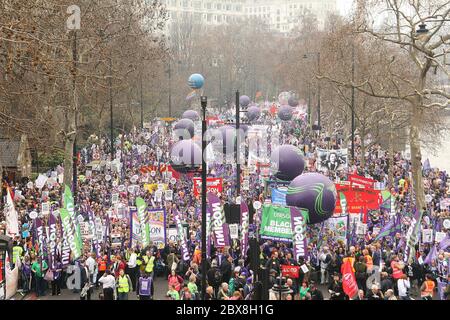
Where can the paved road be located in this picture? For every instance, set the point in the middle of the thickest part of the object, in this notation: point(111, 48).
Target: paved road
point(160, 293)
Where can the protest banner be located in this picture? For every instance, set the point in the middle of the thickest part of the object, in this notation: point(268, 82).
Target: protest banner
point(276, 223)
point(279, 197)
point(157, 226)
point(290, 271)
point(213, 185)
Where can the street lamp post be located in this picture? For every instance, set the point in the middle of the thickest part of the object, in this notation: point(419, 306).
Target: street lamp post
point(353, 103)
point(305, 56)
point(236, 147)
point(204, 102)
point(111, 108)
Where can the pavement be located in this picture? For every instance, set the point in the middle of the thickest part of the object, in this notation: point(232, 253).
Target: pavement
point(160, 285)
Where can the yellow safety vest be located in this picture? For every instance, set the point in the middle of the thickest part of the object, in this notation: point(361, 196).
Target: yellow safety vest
point(123, 284)
point(150, 264)
point(17, 253)
point(138, 260)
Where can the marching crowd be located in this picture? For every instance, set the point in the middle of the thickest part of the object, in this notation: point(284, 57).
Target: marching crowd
point(124, 271)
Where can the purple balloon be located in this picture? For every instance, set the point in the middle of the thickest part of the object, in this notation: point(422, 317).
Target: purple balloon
point(228, 134)
point(185, 156)
point(313, 192)
point(287, 162)
point(191, 114)
point(293, 102)
point(184, 128)
point(285, 113)
point(253, 113)
point(244, 101)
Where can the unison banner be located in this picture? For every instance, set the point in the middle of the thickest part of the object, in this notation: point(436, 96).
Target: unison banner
point(212, 185)
point(298, 223)
point(93, 229)
point(145, 228)
point(69, 206)
point(208, 232)
point(70, 233)
point(135, 228)
point(181, 236)
point(357, 198)
point(244, 225)
point(276, 223)
point(219, 229)
point(40, 236)
point(52, 242)
point(157, 224)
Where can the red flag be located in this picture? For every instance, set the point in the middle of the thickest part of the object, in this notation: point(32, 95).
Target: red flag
point(348, 279)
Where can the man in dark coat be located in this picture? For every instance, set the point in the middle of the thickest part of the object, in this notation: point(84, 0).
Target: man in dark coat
point(226, 268)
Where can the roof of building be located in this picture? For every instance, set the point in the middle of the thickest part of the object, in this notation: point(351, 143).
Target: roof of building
point(9, 152)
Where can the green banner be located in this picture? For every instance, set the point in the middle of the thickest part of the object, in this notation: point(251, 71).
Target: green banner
point(145, 227)
point(276, 223)
point(69, 208)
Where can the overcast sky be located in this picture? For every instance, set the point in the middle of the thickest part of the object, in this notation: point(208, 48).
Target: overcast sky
point(344, 6)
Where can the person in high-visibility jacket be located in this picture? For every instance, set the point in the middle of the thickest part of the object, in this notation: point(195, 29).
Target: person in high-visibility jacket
point(149, 261)
point(102, 266)
point(427, 288)
point(17, 252)
point(124, 285)
point(368, 260)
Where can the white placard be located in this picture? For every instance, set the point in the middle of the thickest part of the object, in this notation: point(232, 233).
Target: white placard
point(446, 224)
point(246, 185)
point(45, 208)
point(108, 177)
point(56, 213)
point(234, 231)
point(158, 196)
point(427, 235)
point(130, 189)
point(40, 181)
point(173, 181)
point(168, 195)
point(33, 215)
point(439, 236)
point(88, 173)
point(44, 195)
point(134, 179)
point(257, 205)
point(121, 188)
point(160, 186)
point(30, 185)
point(304, 268)
point(153, 173)
point(115, 198)
point(115, 184)
point(428, 198)
point(361, 228)
point(80, 218)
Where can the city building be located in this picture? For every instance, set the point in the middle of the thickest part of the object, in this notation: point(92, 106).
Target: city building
point(279, 15)
point(207, 12)
point(284, 15)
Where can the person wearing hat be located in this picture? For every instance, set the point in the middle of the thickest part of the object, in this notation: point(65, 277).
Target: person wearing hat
point(316, 294)
point(335, 288)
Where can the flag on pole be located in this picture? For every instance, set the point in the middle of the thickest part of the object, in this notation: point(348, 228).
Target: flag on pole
point(348, 279)
point(12, 220)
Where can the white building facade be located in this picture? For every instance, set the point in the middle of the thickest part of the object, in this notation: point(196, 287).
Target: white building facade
point(279, 15)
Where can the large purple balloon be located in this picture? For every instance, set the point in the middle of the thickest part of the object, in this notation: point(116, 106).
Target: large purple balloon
point(244, 101)
point(184, 129)
point(285, 113)
point(287, 162)
point(293, 102)
point(185, 156)
point(315, 193)
point(191, 114)
point(253, 113)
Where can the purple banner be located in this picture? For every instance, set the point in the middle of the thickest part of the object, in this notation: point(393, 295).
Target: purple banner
point(52, 242)
point(65, 247)
point(40, 234)
point(298, 224)
point(184, 248)
point(221, 238)
point(244, 232)
point(208, 232)
point(94, 229)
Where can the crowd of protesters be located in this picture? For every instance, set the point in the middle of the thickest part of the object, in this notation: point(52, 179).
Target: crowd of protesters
point(124, 271)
